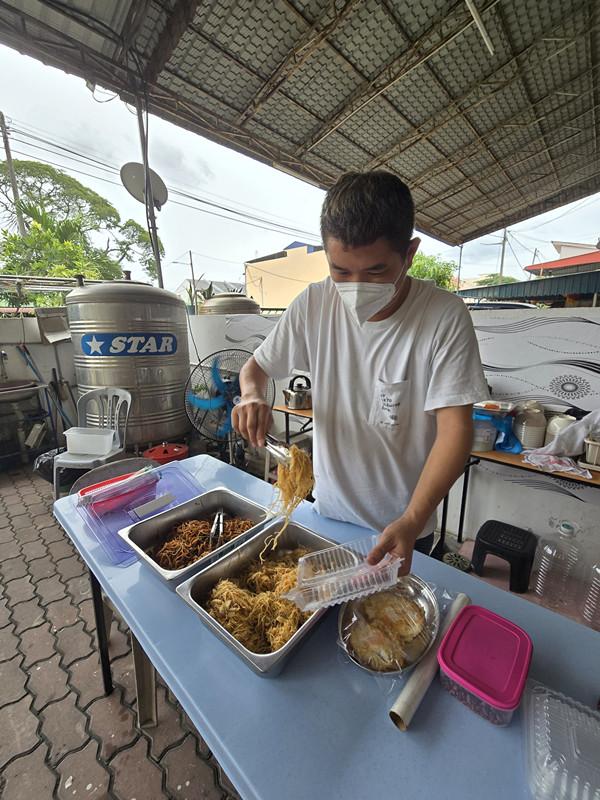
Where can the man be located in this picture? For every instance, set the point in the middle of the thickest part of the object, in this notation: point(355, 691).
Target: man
point(394, 365)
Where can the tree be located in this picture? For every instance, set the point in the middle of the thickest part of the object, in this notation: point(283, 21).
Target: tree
point(59, 194)
point(53, 199)
point(494, 279)
point(433, 268)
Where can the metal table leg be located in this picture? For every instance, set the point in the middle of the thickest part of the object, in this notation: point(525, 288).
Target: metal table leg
point(287, 429)
point(438, 551)
point(463, 501)
point(145, 686)
point(101, 632)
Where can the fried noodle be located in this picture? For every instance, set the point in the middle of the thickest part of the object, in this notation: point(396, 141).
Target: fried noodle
point(190, 540)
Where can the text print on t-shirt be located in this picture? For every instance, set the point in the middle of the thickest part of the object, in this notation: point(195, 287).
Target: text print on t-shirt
point(387, 406)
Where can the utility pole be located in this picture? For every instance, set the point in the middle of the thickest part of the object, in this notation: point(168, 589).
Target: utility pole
point(504, 240)
point(459, 266)
point(148, 196)
point(11, 175)
point(193, 283)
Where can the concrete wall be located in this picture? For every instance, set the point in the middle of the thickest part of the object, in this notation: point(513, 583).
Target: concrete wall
point(15, 331)
point(552, 356)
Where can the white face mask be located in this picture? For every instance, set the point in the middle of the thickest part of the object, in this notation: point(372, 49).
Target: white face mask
point(364, 300)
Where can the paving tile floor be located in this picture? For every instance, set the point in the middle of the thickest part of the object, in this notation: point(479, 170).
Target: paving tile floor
point(60, 737)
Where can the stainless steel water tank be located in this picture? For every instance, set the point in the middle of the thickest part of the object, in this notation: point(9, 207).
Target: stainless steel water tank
point(134, 336)
point(229, 303)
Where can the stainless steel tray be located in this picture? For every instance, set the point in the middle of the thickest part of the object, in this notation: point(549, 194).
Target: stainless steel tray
point(197, 589)
point(415, 589)
point(143, 536)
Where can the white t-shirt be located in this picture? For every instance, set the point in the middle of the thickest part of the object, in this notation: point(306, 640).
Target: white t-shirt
point(374, 391)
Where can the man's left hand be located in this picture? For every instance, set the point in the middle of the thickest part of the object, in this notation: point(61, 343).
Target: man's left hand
point(398, 539)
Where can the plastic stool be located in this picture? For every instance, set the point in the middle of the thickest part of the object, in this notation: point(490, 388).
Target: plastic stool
point(513, 544)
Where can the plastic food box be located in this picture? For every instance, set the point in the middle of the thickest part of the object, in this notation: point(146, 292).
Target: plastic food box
point(336, 574)
point(115, 504)
point(495, 407)
point(563, 746)
point(484, 660)
point(90, 441)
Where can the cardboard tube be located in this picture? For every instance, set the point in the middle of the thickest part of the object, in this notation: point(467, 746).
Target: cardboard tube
point(416, 686)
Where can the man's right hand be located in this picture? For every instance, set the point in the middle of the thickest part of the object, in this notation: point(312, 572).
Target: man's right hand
point(251, 418)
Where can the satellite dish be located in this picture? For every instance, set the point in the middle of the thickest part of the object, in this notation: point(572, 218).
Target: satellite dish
point(132, 178)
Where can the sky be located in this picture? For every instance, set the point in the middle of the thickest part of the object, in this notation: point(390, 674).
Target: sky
point(47, 103)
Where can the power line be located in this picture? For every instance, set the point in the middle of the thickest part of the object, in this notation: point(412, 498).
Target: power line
point(22, 129)
point(266, 227)
point(584, 202)
point(277, 275)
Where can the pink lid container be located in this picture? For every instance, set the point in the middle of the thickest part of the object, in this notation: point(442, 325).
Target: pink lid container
point(488, 656)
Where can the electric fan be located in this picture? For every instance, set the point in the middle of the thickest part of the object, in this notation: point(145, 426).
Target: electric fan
point(211, 392)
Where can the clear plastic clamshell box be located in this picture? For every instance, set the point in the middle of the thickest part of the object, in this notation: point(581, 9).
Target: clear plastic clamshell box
point(115, 504)
point(563, 746)
point(336, 574)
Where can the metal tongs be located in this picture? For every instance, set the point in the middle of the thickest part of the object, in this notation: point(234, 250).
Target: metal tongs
point(216, 530)
point(278, 449)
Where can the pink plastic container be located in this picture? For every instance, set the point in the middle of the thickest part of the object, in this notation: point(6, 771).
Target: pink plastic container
point(484, 660)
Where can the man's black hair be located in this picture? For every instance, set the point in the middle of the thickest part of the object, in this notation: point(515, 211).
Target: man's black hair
point(364, 206)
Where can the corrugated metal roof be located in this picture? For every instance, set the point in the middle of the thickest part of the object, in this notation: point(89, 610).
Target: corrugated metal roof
point(317, 87)
point(544, 289)
point(563, 263)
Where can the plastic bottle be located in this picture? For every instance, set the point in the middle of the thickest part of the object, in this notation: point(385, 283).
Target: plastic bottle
point(557, 561)
point(590, 610)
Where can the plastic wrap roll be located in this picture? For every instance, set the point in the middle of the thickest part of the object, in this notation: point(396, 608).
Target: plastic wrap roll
point(415, 688)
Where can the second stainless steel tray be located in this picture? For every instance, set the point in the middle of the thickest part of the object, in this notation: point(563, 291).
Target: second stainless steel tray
point(196, 590)
point(148, 534)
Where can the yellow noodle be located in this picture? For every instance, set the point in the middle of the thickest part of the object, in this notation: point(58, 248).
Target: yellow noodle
point(251, 608)
point(294, 483)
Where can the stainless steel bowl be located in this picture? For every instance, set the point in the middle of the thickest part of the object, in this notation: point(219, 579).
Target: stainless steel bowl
point(415, 589)
point(195, 592)
point(150, 533)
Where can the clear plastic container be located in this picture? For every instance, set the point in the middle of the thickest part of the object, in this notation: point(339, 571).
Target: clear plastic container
point(592, 451)
point(590, 609)
point(484, 660)
point(484, 436)
point(556, 564)
point(90, 441)
point(499, 408)
point(114, 505)
point(563, 746)
point(336, 574)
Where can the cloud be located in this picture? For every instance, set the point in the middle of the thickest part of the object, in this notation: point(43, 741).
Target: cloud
point(178, 163)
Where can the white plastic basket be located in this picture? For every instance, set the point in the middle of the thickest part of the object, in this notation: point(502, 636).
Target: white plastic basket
point(90, 441)
point(592, 452)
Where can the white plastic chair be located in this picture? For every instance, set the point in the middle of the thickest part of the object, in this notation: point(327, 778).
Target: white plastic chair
point(111, 411)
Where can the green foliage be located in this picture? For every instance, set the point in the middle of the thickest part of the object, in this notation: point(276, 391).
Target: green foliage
point(433, 268)
point(59, 194)
point(67, 222)
point(494, 279)
point(206, 294)
point(134, 245)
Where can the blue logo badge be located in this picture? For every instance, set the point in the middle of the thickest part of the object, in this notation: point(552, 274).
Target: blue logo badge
point(129, 344)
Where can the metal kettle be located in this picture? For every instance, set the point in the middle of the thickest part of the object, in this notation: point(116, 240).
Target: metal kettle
point(298, 398)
